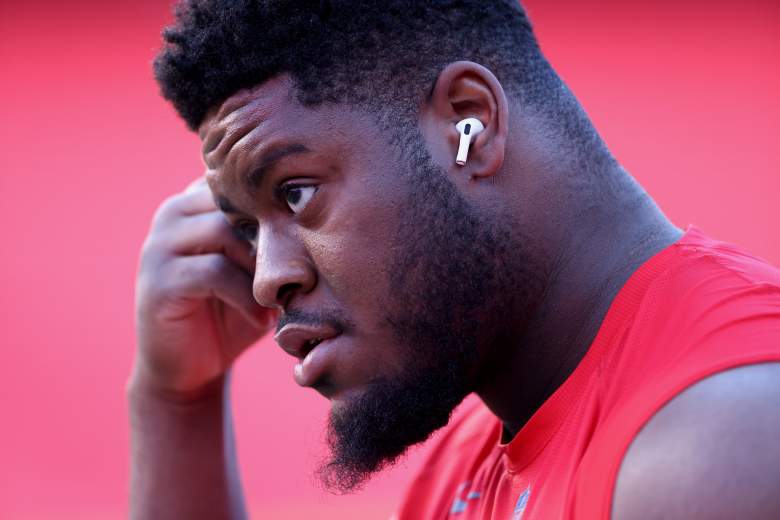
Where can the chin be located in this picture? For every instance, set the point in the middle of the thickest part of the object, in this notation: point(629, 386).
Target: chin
point(341, 398)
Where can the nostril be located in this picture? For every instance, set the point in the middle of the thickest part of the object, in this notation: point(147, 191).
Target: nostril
point(286, 292)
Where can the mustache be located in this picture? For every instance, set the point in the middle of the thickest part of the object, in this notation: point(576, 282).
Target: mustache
point(333, 318)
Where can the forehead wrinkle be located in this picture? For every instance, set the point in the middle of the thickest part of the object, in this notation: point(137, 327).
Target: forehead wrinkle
point(230, 138)
point(210, 141)
point(251, 95)
point(246, 98)
point(235, 162)
point(235, 102)
point(233, 127)
point(263, 148)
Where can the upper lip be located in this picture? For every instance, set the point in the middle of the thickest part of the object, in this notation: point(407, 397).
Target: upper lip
point(298, 339)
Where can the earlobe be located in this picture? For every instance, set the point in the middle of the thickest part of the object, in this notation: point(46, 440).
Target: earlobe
point(466, 91)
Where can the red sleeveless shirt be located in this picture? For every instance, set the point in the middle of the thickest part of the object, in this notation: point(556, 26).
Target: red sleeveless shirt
point(697, 307)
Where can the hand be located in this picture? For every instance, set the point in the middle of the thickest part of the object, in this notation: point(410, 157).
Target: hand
point(195, 312)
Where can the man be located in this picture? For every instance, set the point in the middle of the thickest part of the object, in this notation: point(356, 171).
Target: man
point(627, 369)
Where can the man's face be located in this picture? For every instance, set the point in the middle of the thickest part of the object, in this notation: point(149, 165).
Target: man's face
point(375, 253)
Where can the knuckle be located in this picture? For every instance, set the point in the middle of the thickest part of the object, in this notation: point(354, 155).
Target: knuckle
point(193, 270)
point(180, 273)
point(154, 252)
point(157, 277)
point(150, 246)
point(215, 267)
point(181, 276)
point(196, 185)
point(168, 207)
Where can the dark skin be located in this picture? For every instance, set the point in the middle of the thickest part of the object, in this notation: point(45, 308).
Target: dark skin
point(300, 255)
point(317, 219)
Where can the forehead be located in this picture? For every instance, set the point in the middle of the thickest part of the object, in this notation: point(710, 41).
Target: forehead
point(246, 118)
point(263, 123)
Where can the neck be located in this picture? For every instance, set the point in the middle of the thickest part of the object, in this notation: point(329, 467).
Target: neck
point(590, 266)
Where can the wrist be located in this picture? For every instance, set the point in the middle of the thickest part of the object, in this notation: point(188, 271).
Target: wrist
point(142, 386)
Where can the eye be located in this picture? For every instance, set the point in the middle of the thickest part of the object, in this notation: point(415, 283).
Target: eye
point(246, 231)
point(297, 197)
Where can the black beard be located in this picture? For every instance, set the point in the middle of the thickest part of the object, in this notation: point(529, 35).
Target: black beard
point(452, 289)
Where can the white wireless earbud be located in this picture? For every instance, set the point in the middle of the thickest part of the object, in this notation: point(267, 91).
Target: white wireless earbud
point(467, 128)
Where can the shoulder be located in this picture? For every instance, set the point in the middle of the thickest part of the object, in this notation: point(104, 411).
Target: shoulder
point(689, 414)
point(713, 303)
point(710, 452)
point(710, 271)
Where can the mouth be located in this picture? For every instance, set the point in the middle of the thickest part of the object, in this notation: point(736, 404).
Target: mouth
point(311, 371)
point(309, 346)
point(313, 345)
point(298, 339)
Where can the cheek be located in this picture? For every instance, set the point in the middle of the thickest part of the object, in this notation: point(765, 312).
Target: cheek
point(354, 252)
point(353, 265)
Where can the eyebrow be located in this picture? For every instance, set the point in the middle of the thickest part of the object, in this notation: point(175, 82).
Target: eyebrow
point(224, 205)
point(255, 176)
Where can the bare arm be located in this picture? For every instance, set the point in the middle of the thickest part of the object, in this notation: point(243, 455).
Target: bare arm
point(712, 452)
point(195, 314)
point(183, 456)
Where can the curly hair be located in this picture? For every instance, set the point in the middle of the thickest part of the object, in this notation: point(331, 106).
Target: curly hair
point(384, 55)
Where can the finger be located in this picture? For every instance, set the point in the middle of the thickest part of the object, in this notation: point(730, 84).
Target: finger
point(209, 233)
point(215, 276)
point(198, 234)
point(197, 183)
point(197, 200)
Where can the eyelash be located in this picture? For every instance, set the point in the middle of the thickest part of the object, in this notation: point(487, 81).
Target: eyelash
point(242, 228)
point(281, 192)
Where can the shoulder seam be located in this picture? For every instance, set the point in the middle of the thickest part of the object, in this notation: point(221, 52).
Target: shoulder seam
point(707, 254)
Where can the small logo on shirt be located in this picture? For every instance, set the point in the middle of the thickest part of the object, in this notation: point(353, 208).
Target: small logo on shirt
point(521, 504)
point(462, 498)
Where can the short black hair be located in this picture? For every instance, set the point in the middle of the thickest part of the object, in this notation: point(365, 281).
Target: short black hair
point(386, 55)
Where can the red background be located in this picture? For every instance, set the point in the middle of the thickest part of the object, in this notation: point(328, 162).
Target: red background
point(685, 93)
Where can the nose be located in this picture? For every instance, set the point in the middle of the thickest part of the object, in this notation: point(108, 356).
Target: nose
point(282, 270)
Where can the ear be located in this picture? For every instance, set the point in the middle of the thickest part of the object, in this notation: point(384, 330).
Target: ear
point(467, 89)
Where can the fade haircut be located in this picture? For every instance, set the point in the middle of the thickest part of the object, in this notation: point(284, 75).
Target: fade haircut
point(382, 56)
